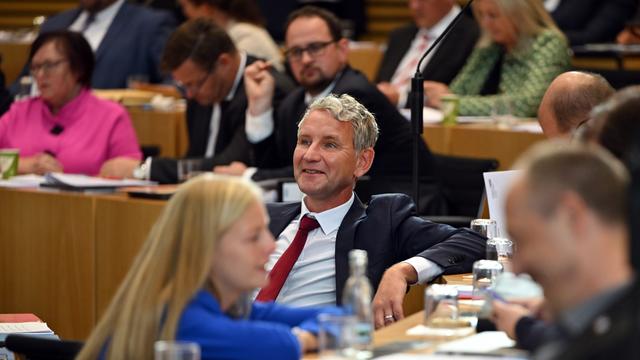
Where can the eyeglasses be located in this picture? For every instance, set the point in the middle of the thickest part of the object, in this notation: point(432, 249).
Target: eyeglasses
point(47, 66)
point(194, 87)
point(313, 49)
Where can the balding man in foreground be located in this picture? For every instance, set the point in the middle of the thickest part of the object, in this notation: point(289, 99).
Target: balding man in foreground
point(568, 101)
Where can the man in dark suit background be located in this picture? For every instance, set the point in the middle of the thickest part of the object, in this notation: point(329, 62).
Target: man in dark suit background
point(567, 214)
point(126, 39)
point(207, 66)
point(591, 21)
point(317, 54)
point(407, 44)
point(335, 147)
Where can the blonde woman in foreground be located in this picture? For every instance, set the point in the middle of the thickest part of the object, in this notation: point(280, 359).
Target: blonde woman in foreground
point(192, 278)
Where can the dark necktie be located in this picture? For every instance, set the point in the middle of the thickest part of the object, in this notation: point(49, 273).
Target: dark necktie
point(283, 266)
point(88, 21)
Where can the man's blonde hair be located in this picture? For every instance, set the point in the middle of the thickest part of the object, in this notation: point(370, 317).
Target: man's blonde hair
point(346, 108)
point(174, 263)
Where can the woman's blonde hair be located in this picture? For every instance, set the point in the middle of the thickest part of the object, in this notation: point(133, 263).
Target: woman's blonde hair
point(173, 264)
point(528, 16)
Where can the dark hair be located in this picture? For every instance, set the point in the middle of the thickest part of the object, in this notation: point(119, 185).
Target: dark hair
point(200, 40)
point(572, 107)
point(616, 122)
point(332, 21)
point(240, 10)
point(74, 47)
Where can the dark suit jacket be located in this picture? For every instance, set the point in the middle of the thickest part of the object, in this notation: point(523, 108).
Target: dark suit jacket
point(390, 232)
point(593, 21)
point(231, 144)
point(393, 149)
point(447, 60)
point(133, 44)
point(613, 334)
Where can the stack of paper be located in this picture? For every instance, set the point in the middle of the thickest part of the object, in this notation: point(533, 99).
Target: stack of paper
point(26, 324)
point(84, 182)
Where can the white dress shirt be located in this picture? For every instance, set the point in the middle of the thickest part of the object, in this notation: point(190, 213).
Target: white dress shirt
point(98, 28)
point(214, 125)
point(416, 51)
point(551, 5)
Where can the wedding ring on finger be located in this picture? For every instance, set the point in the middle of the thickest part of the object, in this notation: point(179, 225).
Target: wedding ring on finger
point(389, 318)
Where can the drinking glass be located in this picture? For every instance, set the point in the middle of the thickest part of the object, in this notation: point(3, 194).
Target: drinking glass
point(501, 112)
point(188, 168)
point(176, 350)
point(486, 227)
point(336, 336)
point(485, 273)
point(500, 249)
point(441, 306)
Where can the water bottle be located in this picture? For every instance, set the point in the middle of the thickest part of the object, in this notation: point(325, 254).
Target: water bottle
point(357, 302)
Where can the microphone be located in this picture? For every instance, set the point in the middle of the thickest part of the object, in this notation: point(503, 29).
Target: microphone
point(56, 130)
point(416, 96)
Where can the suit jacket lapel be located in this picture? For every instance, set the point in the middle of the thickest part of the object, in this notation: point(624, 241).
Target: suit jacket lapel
point(281, 215)
point(345, 242)
point(118, 25)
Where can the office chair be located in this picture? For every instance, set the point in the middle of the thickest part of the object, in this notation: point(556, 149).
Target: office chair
point(462, 186)
point(41, 348)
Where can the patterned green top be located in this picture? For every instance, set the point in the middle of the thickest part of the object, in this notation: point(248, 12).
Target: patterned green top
point(526, 73)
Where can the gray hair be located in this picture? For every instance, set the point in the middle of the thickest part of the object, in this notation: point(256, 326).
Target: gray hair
point(346, 108)
point(554, 167)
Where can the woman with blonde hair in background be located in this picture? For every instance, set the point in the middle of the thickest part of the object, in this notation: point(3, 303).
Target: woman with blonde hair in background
point(519, 53)
point(192, 279)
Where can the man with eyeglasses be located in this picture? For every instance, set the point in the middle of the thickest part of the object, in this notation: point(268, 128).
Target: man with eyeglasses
point(317, 55)
point(208, 68)
point(568, 102)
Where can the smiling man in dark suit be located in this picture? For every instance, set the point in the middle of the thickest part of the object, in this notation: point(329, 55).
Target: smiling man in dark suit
point(407, 44)
point(335, 147)
point(207, 66)
point(126, 39)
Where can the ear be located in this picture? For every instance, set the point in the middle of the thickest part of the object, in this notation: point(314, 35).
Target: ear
point(223, 60)
point(576, 214)
point(364, 161)
point(342, 46)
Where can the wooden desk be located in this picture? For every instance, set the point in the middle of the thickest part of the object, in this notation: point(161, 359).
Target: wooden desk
point(47, 258)
point(14, 56)
point(480, 141)
point(63, 254)
point(166, 129)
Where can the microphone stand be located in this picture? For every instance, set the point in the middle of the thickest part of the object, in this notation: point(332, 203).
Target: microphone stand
point(416, 98)
point(633, 162)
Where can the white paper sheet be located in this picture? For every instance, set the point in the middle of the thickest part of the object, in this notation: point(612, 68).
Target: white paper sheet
point(497, 184)
point(25, 327)
point(84, 181)
point(484, 342)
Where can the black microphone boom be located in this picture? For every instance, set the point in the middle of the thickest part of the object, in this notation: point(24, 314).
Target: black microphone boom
point(416, 98)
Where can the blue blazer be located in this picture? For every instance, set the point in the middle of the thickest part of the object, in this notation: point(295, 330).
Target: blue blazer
point(133, 44)
point(389, 230)
point(266, 334)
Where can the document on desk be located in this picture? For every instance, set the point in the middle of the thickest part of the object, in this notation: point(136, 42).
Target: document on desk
point(497, 184)
point(22, 181)
point(83, 182)
point(25, 327)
